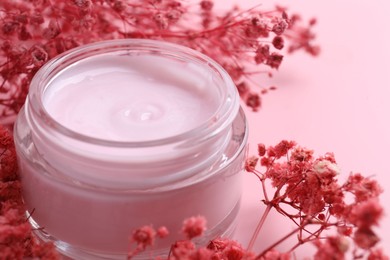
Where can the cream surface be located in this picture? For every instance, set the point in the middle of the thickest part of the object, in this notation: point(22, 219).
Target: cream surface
point(131, 98)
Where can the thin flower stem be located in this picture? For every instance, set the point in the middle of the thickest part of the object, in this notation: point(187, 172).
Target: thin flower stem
point(259, 226)
point(264, 189)
point(307, 239)
point(278, 242)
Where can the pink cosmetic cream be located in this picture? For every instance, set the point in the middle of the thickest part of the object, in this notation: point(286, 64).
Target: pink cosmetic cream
point(120, 134)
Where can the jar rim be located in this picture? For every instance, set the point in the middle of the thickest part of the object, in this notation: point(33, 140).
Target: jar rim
point(223, 116)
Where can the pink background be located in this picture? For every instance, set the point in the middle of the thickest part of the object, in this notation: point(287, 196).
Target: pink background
point(338, 102)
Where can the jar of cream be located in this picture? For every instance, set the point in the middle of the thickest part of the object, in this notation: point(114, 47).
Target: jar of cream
point(120, 134)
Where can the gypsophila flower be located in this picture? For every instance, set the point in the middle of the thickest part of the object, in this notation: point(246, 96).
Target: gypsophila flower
point(182, 250)
point(366, 214)
point(194, 226)
point(144, 237)
point(377, 254)
point(362, 188)
point(251, 163)
point(365, 238)
point(331, 248)
point(162, 232)
point(324, 166)
point(278, 42)
point(33, 32)
point(307, 191)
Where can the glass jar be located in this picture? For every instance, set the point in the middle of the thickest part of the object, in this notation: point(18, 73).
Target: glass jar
point(93, 171)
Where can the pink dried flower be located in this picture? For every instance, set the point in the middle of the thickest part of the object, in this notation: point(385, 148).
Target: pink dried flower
point(281, 148)
point(33, 33)
point(223, 248)
point(366, 214)
point(10, 190)
point(46, 251)
point(262, 53)
point(312, 21)
point(12, 239)
point(377, 254)
point(300, 154)
point(181, 250)
point(257, 27)
point(206, 5)
point(83, 4)
point(8, 165)
point(144, 236)
point(363, 188)
point(243, 89)
point(261, 150)
point(307, 192)
point(278, 42)
point(274, 60)
point(162, 232)
point(202, 254)
point(251, 163)
point(253, 101)
point(331, 248)
point(194, 226)
point(365, 238)
point(280, 26)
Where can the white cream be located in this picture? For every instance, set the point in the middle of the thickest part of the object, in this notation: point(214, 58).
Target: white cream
point(131, 98)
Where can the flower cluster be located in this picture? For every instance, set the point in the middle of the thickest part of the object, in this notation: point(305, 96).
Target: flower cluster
point(144, 237)
point(307, 191)
point(16, 240)
point(34, 31)
point(219, 248)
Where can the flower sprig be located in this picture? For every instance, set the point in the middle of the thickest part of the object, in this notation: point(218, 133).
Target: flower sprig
point(34, 31)
point(307, 191)
point(337, 218)
point(193, 227)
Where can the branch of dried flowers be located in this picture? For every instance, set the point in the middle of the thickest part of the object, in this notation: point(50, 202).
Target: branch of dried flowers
point(310, 187)
point(34, 31)
point(318, 203)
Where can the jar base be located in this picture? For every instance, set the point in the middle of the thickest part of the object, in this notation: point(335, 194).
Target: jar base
point(224, 229)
